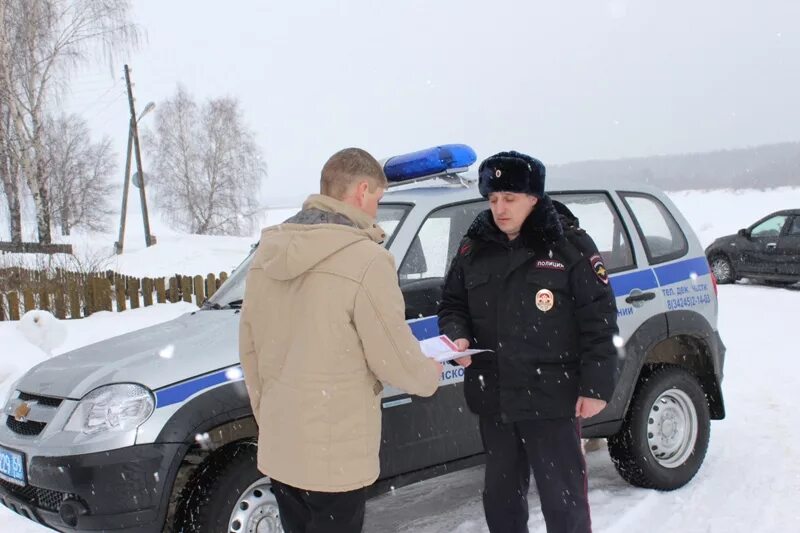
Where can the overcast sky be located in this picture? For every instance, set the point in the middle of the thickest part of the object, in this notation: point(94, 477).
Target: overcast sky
point(562, 80)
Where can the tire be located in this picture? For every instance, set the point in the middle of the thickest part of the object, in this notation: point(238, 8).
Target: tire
point(664, 437)
point(723, 269)
point(227, 493)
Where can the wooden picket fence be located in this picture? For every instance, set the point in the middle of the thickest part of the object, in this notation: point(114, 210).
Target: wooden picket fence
point(75, 295)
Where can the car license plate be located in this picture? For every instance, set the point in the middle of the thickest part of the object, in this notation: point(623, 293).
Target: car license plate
point(12, 466)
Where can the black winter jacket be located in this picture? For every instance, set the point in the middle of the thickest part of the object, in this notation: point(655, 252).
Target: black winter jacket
point(542, 302)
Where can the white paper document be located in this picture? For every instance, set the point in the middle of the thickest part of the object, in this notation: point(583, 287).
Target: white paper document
point(443, 349)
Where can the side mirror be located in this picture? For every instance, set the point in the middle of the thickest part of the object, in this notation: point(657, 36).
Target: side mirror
point(744, 233)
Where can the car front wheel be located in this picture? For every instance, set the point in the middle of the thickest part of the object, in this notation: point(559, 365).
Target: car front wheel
point(227, 493)
point(723, 269)
point(664, 438)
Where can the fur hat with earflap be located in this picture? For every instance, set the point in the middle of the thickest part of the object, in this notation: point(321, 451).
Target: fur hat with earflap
point(511, 172)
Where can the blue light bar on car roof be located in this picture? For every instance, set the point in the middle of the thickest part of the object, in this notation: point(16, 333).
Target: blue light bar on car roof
point(440, 160)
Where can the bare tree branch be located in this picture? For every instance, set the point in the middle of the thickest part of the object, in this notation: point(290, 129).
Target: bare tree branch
point(42, 41)
point(78, 174)
point(208, 169)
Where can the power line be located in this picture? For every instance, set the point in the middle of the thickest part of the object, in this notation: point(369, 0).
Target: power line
point(117, 98)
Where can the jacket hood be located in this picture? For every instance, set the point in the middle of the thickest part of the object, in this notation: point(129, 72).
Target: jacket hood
point(324, 227)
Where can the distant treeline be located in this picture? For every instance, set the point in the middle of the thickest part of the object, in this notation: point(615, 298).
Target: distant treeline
point(760, 167)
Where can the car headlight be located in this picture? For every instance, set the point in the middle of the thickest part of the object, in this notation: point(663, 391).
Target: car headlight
point(120, 407)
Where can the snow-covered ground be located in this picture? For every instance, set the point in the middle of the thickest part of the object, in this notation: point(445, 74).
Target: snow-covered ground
point(174, 253)
point(750, 481)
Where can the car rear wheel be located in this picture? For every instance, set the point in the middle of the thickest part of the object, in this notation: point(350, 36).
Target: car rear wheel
point(228, 493)
point(722, 269)
point(664, 438)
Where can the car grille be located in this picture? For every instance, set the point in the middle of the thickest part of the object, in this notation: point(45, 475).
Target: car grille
point(47, 499)
point(28, 428)
point(31, 428)
point(41, 400)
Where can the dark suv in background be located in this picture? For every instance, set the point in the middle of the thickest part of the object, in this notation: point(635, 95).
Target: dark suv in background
point(767, 251)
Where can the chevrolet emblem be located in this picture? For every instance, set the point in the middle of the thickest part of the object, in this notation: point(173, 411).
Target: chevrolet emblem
point(21, 412)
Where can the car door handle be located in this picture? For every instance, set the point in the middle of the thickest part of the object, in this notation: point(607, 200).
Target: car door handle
point(771, 245)
point(641, 297)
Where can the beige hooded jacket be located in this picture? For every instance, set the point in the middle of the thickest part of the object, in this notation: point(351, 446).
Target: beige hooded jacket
point(323, 323)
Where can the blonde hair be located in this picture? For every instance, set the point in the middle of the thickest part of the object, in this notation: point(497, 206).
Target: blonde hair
point(346, 168)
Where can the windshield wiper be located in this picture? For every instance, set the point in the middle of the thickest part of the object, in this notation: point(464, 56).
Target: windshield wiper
point(233, 304)
point(208, 305)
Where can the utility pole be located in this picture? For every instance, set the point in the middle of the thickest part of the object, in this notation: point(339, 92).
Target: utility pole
point(148, 238)
point(120, 242)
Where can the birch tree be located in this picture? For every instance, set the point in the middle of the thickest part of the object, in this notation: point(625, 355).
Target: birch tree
point(41, 42)
point(78, 175)
point(9, 162)
point(10, 175)
point(208, 168)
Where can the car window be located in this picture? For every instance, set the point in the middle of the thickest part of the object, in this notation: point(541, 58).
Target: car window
point(661, 235)
point(795, 229)
point(434, 246)
point(769, 228)
point(389, 218)
point(597, 215)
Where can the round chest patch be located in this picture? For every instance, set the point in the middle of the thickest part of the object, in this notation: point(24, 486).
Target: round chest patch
point(544, 300)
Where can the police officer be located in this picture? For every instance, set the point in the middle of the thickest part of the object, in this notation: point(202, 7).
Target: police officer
point(529, 284)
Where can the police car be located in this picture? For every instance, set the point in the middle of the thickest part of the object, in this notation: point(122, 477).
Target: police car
point(152, 430)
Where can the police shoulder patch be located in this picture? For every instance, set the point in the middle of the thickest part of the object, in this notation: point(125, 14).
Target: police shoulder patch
point(599, 268)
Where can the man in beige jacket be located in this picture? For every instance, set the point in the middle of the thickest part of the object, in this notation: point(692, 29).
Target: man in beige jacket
point(322, 326)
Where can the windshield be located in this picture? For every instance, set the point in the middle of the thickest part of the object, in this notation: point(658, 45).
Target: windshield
point(231, 293)
point(233, 288)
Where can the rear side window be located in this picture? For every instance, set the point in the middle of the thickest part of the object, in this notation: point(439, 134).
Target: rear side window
point(795, 229)
point(661, 235)
point(597, 215)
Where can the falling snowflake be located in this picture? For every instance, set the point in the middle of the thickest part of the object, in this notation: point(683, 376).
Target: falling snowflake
point(167, 351)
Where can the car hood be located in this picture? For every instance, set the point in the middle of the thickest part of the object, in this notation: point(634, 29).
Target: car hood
point(188, 346)
point(724, 240)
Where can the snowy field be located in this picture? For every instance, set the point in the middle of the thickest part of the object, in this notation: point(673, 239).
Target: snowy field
point(750, 481)
point(174, 253)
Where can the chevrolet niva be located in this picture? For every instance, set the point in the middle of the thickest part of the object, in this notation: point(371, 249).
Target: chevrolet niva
point(114, 437)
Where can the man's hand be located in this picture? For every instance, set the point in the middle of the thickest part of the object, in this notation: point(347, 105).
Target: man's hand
point(588, 407)
point(461, 345)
